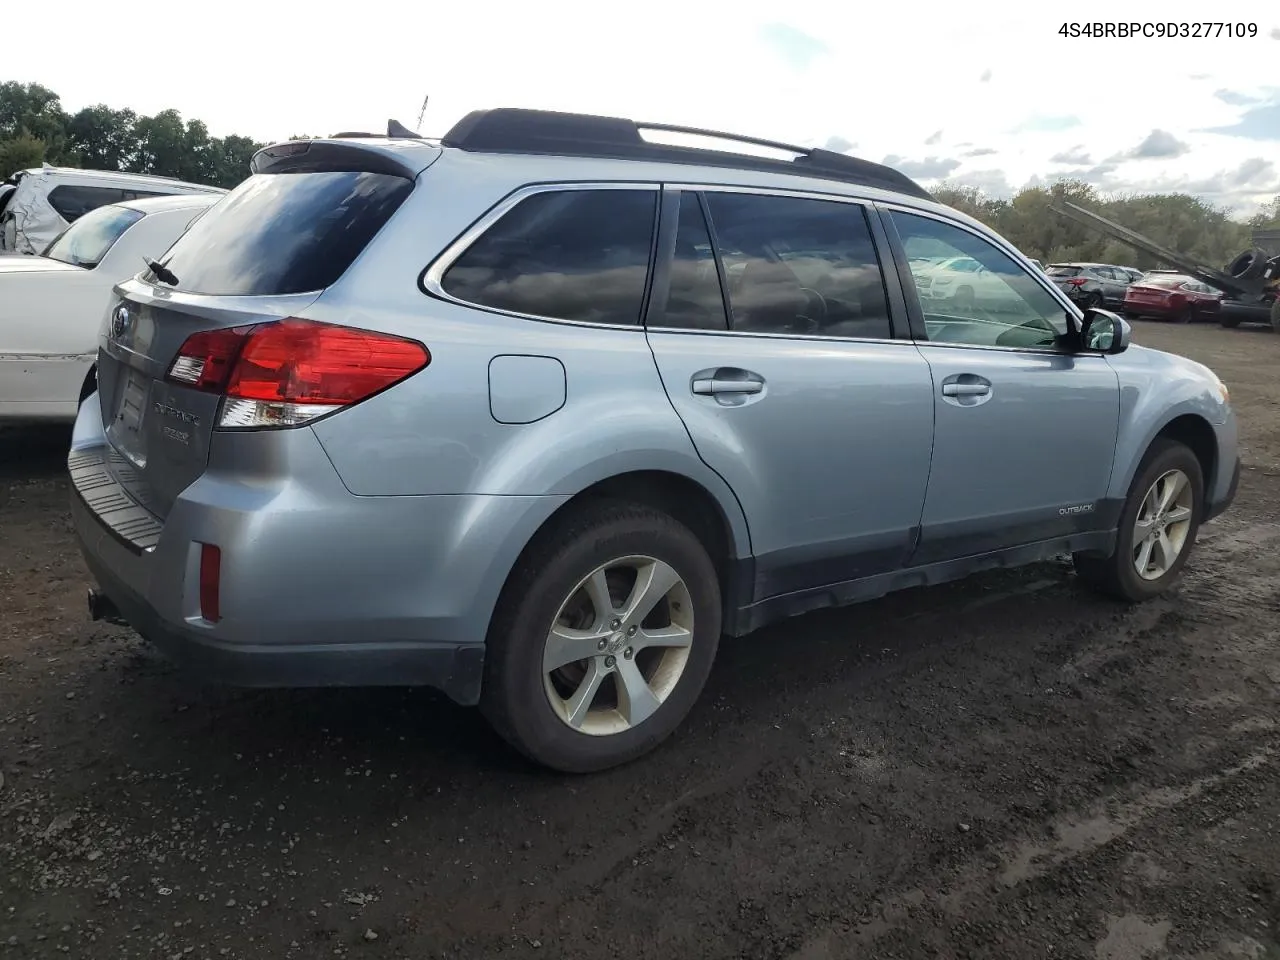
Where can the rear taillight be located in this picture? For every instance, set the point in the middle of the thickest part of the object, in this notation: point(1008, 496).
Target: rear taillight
point(1077, 281)
point(289, 372)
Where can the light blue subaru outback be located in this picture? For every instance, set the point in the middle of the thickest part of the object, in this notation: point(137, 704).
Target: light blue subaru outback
point(535, 413)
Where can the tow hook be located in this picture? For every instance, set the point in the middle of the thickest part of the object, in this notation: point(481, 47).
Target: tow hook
point(102, 607)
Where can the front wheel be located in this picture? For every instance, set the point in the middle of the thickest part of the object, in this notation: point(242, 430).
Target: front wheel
point(1158, 527)
point(1275, 315)
point(603, 638)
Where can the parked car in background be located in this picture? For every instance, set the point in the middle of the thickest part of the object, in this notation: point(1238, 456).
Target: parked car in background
point(965, 283)
point(1172, 296)
point(36, 205)
point(51, 306)
point(536, 412)
point(1091, 284)
point(1037, 264)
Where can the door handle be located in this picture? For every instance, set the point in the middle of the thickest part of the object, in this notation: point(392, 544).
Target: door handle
point(714, 386)
point(965, 389)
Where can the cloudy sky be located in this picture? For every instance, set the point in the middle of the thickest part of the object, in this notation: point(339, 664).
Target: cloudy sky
point(988, 95)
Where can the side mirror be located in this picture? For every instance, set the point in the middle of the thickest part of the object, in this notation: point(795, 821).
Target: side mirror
point(1105, 331)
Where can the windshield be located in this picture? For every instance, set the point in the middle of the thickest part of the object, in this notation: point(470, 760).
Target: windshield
point(86, 242)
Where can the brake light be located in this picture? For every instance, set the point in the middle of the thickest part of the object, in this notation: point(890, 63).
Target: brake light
point(289, 372)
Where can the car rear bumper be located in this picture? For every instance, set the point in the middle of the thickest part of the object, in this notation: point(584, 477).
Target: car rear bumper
point(318, 587)
point(455, 669)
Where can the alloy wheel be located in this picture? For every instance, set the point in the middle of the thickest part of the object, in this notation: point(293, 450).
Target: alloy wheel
point(1163, 525)
point(618, 645)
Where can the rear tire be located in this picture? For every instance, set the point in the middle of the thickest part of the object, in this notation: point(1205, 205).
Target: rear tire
point(1117, 574)
point(1275, 315)
point(1186, 315)
point(1229, 322)
point(578, 717)
point(1093, 301)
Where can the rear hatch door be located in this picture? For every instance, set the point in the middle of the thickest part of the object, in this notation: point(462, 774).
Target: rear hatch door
point(265, 252)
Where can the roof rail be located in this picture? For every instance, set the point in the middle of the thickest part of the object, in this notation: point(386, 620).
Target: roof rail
point(515, 130)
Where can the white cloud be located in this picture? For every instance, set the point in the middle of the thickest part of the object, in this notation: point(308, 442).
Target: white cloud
point(809, 72)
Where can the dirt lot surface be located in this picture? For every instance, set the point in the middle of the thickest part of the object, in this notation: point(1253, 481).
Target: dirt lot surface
point(1006, 767)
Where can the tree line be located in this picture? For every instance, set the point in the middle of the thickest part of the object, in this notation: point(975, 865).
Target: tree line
point(1186, 224)
point(34, 129)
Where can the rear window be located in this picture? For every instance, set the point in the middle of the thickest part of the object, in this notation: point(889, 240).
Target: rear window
point(72, 202)
point(1164, 281)
point(87, 241)
point(285, 233)
point(1065, 271)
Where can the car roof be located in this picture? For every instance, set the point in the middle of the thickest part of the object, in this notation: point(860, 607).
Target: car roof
point(119, 176)
point(172, 201)
point(512, 132)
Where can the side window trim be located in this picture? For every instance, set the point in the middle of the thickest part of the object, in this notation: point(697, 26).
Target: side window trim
point(722, 275)
point(916, 312)
point(900, 325)
point(664, 258)
point(664, 254)
point(899, 316)
point(430, 280)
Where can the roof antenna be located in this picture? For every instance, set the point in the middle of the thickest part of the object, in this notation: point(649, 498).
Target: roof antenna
point(397, 129)
point(423, 112)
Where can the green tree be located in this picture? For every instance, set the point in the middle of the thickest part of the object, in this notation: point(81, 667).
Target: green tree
point(35, 111)
point(104, 139)
point(20, 153)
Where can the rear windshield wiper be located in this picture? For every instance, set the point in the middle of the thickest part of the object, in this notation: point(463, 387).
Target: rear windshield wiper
point(163, 273)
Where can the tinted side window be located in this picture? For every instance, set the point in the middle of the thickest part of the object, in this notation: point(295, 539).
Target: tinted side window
point(1001, 305)
point(799, 266)
point(73, 202)
point(563, 254)
point(693, 300)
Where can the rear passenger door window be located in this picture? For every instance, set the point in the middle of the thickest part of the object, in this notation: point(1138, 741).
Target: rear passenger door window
point(799, 266)
point(580, 255)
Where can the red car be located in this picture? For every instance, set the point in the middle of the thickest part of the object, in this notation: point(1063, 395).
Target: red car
point(1171, 296)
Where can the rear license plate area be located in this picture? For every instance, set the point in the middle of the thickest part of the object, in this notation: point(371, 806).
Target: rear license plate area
point(125, 431)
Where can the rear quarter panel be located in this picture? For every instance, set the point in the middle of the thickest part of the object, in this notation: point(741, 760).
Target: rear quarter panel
point(50, 312)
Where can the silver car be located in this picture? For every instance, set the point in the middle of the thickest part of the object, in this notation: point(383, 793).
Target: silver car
point(536, 413)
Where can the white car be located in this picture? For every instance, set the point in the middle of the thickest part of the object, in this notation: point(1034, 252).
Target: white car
point(51, 306)
point(967, 285)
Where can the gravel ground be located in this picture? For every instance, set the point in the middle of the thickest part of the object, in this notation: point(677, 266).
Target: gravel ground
point(1006, 767)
